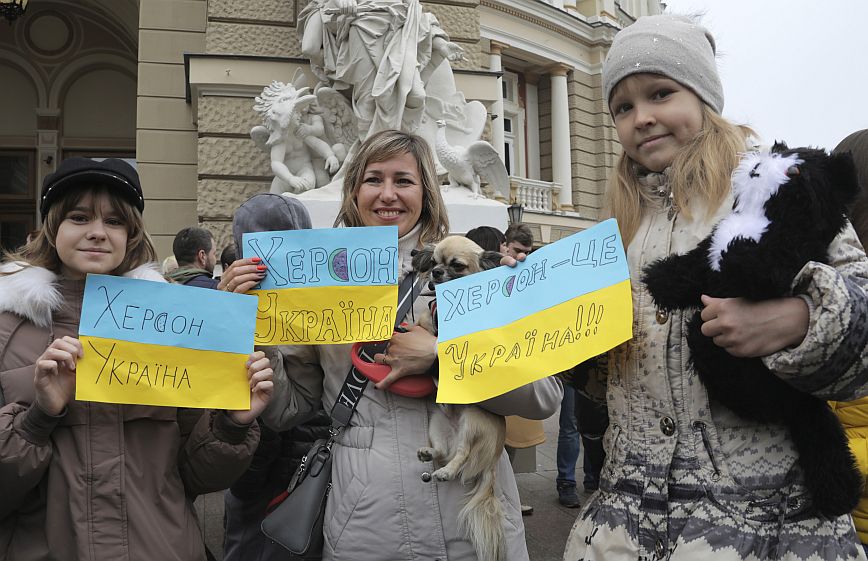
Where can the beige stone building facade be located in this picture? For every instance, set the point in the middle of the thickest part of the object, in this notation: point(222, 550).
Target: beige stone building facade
point(170, 85)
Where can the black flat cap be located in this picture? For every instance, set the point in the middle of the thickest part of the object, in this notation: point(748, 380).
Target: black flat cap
point(115, 174)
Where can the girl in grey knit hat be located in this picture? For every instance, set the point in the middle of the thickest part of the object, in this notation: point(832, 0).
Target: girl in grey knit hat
point(686, 478)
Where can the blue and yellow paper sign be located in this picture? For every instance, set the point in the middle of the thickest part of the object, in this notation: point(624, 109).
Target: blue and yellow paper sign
point(507, 327)
point(153, 343)
point(326, 286)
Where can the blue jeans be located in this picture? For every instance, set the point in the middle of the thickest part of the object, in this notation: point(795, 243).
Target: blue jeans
point(568, 438)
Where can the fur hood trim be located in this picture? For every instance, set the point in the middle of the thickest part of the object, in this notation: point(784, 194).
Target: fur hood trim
point(30, 292)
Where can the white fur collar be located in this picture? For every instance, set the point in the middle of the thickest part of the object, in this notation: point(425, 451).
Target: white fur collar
point(30, 292)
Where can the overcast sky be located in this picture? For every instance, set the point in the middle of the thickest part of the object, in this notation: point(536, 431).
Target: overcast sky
point(794, 70)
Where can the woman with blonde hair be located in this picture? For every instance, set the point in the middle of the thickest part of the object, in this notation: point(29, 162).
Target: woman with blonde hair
point(384, 504)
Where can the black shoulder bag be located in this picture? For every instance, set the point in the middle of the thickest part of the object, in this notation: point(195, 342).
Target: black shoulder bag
point(296, 524)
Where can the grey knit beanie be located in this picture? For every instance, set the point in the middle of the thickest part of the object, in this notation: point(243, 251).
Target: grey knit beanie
point(268, 212)
point(671, 45)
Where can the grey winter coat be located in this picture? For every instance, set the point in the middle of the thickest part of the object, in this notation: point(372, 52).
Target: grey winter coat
point(380, 508)
point(687, 479)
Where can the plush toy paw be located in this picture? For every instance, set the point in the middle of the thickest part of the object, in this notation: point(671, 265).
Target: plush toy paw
point(670, 286)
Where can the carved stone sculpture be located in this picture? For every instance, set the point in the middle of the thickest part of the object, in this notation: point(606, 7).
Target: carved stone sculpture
point(306, 141)
point(379, 64)
point(465, 165)
point(391, 59)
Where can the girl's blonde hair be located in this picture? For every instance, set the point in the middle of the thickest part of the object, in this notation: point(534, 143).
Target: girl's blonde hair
point(699, 173)
point(42, 250)
point(384, 146)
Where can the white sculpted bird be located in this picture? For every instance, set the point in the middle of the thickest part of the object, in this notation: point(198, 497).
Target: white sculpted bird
point(465, 165)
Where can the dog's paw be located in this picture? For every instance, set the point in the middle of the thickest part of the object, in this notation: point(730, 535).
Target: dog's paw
point(425, 454)
point(443, 474)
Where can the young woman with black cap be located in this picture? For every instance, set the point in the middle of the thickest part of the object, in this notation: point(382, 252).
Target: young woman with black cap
point(85, 480)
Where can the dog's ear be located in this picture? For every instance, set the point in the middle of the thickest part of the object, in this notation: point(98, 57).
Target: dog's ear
point(423, 259)
point(489, 260)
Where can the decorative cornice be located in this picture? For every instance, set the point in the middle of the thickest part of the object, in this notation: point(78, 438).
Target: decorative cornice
point(496, 47)
point(235, 135)
point(460, 3)
point(243, 21)
point(559, 69)
point(573, 26)
point(254, 178)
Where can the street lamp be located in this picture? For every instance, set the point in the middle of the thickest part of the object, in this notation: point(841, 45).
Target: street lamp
point(11, 9)
point(515, 212)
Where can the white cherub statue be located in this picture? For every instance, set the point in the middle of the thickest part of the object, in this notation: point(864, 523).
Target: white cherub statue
point(296, 136)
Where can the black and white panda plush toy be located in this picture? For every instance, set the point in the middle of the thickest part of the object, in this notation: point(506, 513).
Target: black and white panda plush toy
point(789, 205)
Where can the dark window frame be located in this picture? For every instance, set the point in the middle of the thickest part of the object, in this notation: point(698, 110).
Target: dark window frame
point(30, 195)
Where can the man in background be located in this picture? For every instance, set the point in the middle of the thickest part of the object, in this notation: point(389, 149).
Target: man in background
point(196, 254)
point(519, 239)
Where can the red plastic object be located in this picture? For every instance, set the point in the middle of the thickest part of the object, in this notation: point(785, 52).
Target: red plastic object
point(408, 386)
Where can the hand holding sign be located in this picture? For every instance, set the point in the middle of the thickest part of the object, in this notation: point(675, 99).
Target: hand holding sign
point(323, 287)
point(243, 275)
point(506, 327)
point(54, 379)
point(154, 343)
point(259, 375)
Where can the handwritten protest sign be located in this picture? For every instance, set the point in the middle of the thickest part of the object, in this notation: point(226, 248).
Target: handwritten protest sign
point(506, 327)
point(152, 343)
point(326, 286)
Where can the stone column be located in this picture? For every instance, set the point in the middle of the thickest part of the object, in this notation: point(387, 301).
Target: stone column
point(495, 65)
point(47, 145)
point(561, 158)
point(531, 81)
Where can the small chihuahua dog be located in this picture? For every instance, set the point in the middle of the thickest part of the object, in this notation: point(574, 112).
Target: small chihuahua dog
point(466, 438)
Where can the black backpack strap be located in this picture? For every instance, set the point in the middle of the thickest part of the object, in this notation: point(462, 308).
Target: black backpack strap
point(410, 289)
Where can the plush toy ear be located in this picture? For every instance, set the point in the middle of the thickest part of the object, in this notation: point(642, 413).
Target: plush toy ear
point(423, 259)
point(779, 147)
point(489, 260)
point(843, 176)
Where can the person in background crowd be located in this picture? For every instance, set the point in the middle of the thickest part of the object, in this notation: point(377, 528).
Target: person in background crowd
point(520, 433)
point(279, 453)
point(227, 257)
point(519, 239)
point(588, 420)
point(592, 418)
point(569, 445)
point(86, 480)
point(685, 477)
point(854, 414)
point(170, 264)
point(196, 253)
point(488, 238)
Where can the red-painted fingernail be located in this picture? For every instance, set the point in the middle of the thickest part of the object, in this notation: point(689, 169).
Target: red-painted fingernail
point(255, 259)
point(261, 267)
